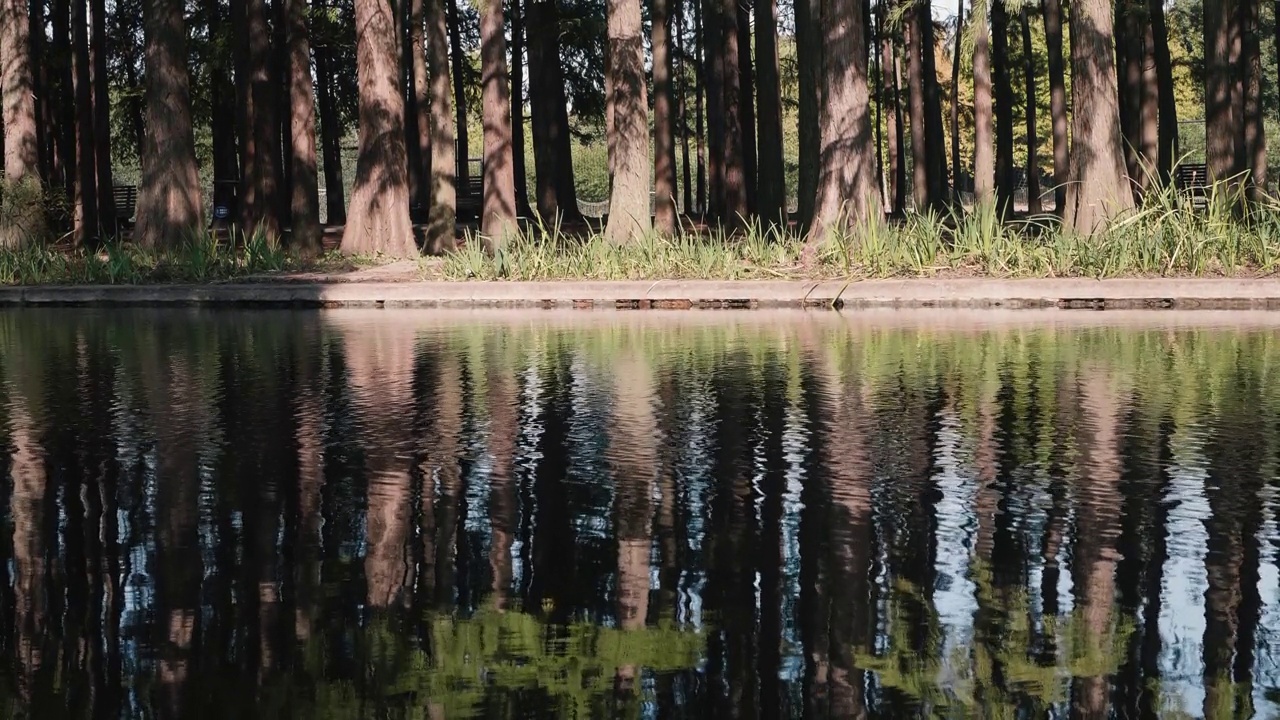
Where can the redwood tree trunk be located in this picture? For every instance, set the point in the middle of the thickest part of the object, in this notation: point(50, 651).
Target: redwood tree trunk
point(517, 109)
point(21, 151)
point(421, 115)
point(629, 199)
point(1129, 56)
point(847, 194)
point(699, 75)
point(65, 95)
point(86, 227)
point(714, 76)
point(1167, 136)
point(1222, 119)
point(682, 109)
point(102, 120)
point(1255, 137)
point(304, 201)
point(169, 204)
point(1149, 109)
point(1029, 73)
point(259, 193)
point(955, 102)
point(459, 92)
point(498, 214)
point(443, 213)
point(1005, 183)
point(897, 182)
point(747, 108)
point(772, 189)
point(983, 150)
point(379, 217)
point(664, 149)
point(916, 109)
point(557, 195)
point(1097, 192)
point(1058, 100)
point(222, 93)
point(331, 140)
point(809, 61)
point(735, 178)
point(933, 111)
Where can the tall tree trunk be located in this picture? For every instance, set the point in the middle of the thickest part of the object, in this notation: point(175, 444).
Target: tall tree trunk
point(86, 227)
point(1029, 73)
point(1097, 191)
point(897, 181)
point(773, 179)
point(955, 102)
point(557, 196)
point(498, 215)
point(1255, 136)
point(933, 110)
point(1058, 101)
point(682, 109)
point(222, 126)
point(37, 62)
point(714, 82)
point(1221, 56)
point(1167, 139)
point(735, 178)
point(379, 218)
point(459, 92)
point(66, 127)
point(284, 139)
point(442, 216)
point(809, 61)
point(1005, 182)
point(847, 195)
point(21, 151)
point(102, 120)
point(517, 109)
point(304, 201)
point(1149, 108)
point(699, 76)
point(421, 110)
point(746, 91)
point(169, 204)
point(920, 172)
point(330, 139)
point(259, 191)
point(412, 113)
point(983, 150)
point(629, 198)
point(664, 149)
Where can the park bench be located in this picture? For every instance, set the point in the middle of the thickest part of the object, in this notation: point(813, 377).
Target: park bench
point(471, 192)
point(1192, 180)
point(125, 198)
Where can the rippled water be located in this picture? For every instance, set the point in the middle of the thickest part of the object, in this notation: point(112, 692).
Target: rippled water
point(396, 514)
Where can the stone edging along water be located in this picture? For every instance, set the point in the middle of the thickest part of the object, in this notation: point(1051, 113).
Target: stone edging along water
point(1070, 293)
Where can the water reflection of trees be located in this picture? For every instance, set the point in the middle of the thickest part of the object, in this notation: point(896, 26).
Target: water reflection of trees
point(349, 516)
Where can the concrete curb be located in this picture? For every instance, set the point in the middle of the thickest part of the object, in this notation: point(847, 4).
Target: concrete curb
point(1072, 293)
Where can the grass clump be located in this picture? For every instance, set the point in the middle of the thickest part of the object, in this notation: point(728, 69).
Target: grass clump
point(1166, 236)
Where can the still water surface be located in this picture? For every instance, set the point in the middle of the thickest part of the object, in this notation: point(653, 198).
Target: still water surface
point(424, 515)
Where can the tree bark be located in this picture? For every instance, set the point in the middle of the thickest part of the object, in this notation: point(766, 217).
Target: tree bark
point(379, 218)
point(1097, 192)
point(459, 93)
point(24, 223)
point(920, 172)
point(699, 75)
point(222, 94)
point(1029, 73)
point(86, 222)
point(37, 63)
point(102, 120)
point(442, 216)
point(1005, 182)
point(260, 149)
point(664, 149)
point(330, 138)
point(421, 115)
point(1058, 101)
point(1149, 108)
point(682, 109)
point(889, 92)
point(735, 178)
point(933, 111)
point(847, 195)
point(557, 196)
point(955, 102)
point(714, 76)
point(983, 150)
point(1255, 136)
point(498, 215)
point(772, 189)
point(66, 127)
point(1167, 138)
point(746, 91)
point(517, 109)
point(283, 136)
point(1222, 117)
point(304, 202)
point(629, 198)
point(169, 205)
point(809, 61)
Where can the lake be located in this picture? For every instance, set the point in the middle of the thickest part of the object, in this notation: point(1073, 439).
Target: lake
point(430, 514)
